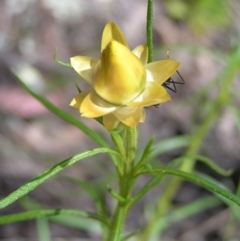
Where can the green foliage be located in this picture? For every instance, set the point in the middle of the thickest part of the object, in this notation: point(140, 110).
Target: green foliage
point(43, 229)
point(12, 218)
point(131, 163)
point(38, 180)
point(200, 15)
point(195, 179)
point(181, 213)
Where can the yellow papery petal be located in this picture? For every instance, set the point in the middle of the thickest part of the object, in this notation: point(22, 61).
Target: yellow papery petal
point(112, 32)
point(153, 94)
point(93, 106)
point(84, 66)
point(78, 99)
point(120, 76)
point(162, 70)
point(130, 116)
point(110, 121)
point(142, 53)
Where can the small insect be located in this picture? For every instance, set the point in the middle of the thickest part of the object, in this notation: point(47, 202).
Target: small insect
point(171, 84)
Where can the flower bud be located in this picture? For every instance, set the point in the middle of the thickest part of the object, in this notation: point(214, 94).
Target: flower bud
point(119, 76)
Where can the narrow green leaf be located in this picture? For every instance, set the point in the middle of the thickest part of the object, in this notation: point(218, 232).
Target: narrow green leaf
point(184, 212)
point(43, 230)
point(131, 235)
point(92, 190)
point(235, 209)
point(72, 221)
point(192, 208)
point(146, 153)
point(60, 62)
point(149, 168)
point(89, 225)
point(236, 114)
point(47, 213)
point(238, 189)
point(207, 161)
point(153, 182)
point(32, 184)
point(29, 204)
point(118, 142)
point(199, 181)
point(64, 115)
point(97, 194)
point(115, 195)
point(169, 145)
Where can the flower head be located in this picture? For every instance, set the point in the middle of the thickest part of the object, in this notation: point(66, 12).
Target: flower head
point(121, 82)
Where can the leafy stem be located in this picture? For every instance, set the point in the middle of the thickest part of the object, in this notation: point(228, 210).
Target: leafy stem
point(126, 184)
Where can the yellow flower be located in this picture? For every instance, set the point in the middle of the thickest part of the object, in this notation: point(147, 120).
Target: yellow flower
point(121, 82)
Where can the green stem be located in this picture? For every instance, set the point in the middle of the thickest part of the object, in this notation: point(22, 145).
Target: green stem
point(225, 81)
point(130, 148)
point(150, 30)
point(126, 184)
point(116, 229)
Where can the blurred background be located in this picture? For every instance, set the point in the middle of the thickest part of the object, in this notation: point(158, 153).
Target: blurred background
point(203, 35)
